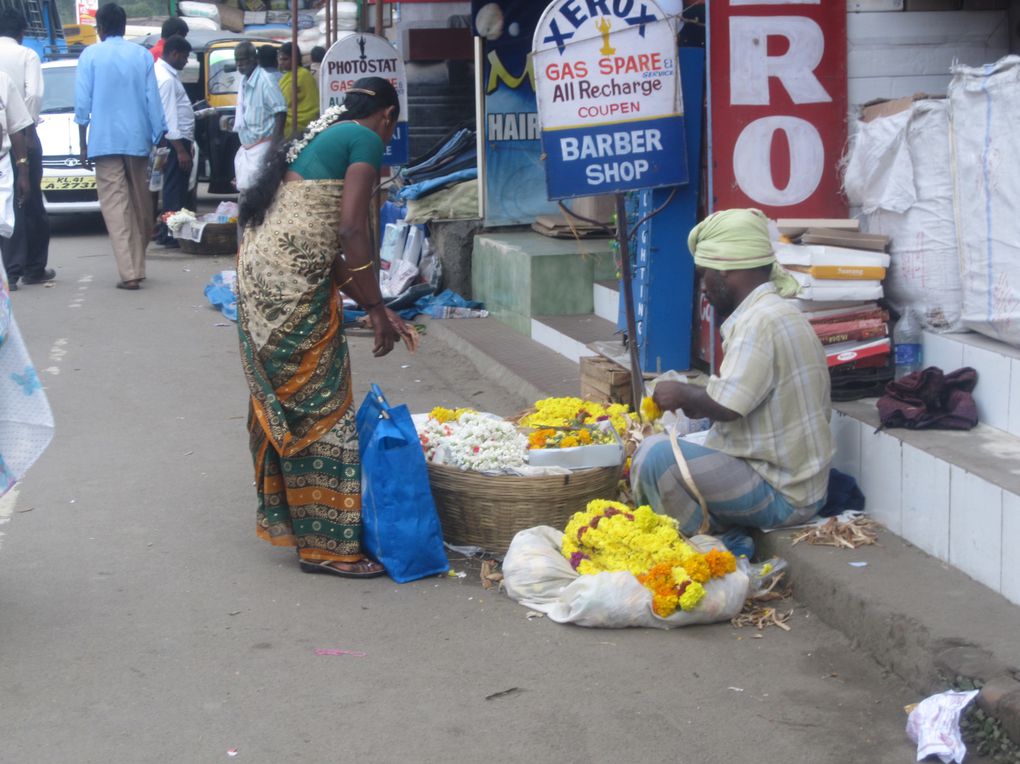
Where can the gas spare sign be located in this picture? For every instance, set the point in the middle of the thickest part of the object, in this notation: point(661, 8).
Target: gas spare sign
point(609, 103)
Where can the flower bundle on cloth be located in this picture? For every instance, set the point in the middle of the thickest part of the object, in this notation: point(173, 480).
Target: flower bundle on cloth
point(572, 412)
point(616, 567)
point(609, 536)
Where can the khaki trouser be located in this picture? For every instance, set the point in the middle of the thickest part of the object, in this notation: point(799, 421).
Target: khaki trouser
point(127, 209)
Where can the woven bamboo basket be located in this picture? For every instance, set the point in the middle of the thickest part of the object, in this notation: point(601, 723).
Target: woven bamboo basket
point(489, 510)
point(217, 239)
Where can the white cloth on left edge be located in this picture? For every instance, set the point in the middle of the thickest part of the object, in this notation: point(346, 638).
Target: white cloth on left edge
point(6, 199)
point(26, 422)
point(248, 163)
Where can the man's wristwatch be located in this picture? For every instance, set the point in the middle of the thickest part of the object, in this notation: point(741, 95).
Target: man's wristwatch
point(23, 160)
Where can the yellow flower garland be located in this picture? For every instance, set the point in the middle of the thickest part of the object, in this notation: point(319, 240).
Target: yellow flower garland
point(570, 412)
point(444, 415)
point(610, 536)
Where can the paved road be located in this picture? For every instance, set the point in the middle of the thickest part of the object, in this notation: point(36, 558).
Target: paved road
point(142, 621)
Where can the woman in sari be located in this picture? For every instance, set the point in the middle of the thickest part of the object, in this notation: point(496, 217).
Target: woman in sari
point(306, 236)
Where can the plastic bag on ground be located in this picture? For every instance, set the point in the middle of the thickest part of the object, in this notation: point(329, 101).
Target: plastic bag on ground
point(538, 576)
point(935, 726)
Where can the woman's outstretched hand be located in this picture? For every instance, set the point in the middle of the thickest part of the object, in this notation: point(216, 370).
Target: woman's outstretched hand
point(406, 331)
point(385, 333)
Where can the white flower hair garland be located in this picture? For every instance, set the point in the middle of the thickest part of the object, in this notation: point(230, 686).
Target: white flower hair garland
point(330, 117)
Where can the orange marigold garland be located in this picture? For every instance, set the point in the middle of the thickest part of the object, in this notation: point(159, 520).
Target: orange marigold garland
point(610, 536)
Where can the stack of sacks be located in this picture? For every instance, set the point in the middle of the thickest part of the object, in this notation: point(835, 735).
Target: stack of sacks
point(200, 15)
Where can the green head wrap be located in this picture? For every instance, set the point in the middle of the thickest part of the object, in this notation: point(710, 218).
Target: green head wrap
point(734, 240)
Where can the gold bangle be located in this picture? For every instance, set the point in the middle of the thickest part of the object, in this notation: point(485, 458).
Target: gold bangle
point(360, 268)
point(341, 286)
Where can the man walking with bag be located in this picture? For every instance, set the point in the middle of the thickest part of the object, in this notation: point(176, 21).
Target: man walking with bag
point(26, 253)
point(259, 119)
point(120, 118)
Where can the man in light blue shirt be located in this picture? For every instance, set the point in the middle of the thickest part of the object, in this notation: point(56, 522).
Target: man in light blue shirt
point(120, 118)
point(259, 119)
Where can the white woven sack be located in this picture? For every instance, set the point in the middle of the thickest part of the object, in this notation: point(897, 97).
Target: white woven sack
point(984, 114)
point(192, 9)
point(538, 576)
point(899, 174)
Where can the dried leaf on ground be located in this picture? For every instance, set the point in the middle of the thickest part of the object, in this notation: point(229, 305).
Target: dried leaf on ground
point(850, 535)
point(490, 574)
point(760, 616)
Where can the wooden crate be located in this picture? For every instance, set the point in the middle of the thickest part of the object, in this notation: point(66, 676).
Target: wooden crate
point(605, 381)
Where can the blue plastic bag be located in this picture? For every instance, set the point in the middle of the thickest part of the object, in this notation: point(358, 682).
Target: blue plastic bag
point(400, 527)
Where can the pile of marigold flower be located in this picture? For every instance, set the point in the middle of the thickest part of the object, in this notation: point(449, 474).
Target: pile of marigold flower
point(552, 438)
point(573, 412)
point(610, 536)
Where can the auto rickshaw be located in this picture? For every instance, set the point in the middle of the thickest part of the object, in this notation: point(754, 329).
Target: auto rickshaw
point(211, 80)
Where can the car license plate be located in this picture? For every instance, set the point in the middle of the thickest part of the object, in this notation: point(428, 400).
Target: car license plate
point(69, 183)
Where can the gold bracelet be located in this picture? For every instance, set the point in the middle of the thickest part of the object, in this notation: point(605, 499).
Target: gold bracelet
point(366, 266)
point(341, 286)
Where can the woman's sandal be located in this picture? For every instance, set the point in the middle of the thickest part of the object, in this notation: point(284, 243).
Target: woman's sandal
point(361, 569)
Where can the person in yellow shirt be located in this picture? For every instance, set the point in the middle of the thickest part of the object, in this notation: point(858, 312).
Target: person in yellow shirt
point(308, 90)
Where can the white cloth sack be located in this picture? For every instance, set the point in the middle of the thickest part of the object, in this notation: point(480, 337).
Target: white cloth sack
point(6, 197)
point(26, 422)
point(538, 576)
point(248, 163)
point(192, 10)
point(985, 112)
point(899, 174)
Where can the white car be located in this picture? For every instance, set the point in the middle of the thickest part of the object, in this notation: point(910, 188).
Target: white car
point(66, 185)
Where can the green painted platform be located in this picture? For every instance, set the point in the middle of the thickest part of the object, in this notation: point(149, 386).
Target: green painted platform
point(522, 274)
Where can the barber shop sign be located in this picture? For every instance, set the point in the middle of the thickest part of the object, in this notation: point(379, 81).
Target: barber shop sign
point(609, 102)
point(778, 105)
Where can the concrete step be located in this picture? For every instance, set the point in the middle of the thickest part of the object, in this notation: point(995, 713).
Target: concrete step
point(607, 300)
point(570, 335)
point(998, 366)
point(522, 274)
point(955, 495)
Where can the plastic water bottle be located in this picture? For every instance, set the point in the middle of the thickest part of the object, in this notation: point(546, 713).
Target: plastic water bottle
point(907, 343)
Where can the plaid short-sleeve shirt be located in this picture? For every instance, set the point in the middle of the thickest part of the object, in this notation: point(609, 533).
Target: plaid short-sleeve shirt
point(775, 376)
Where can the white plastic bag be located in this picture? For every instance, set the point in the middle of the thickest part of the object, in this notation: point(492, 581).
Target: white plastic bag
point(538, 576)
point(935, 726)
point(985, 110)
point(6, 196)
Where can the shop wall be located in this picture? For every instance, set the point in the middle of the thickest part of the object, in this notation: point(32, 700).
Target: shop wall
point(898, 53)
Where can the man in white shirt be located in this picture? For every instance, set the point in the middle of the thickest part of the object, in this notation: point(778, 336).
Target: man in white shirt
point(180, 128)
point(26, 253)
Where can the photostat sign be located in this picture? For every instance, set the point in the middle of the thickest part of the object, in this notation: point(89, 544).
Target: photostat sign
point(366, 55)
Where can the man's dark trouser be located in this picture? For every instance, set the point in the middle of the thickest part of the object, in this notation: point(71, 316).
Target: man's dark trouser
point(175, 188)
point(27, 251)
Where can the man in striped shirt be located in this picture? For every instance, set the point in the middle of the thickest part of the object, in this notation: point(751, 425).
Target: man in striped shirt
point(259, 119)
point(765, 460)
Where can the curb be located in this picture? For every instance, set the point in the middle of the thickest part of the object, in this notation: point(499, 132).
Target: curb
point(928, 623)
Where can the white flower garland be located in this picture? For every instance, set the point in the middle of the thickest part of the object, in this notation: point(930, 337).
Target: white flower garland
point(484, 444)
point(328, 119)
point(176, 221)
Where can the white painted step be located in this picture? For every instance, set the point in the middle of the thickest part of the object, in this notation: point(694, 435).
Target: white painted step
point(570, 335)
point(607, 300)
point(998, 366)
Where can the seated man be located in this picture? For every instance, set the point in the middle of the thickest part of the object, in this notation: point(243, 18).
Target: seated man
point(765, 462)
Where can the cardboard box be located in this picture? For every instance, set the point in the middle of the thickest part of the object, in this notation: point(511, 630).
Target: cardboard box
point(605, 381)
point(886, 107)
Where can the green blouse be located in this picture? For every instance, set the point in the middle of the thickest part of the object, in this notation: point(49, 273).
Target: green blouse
point(328, 155)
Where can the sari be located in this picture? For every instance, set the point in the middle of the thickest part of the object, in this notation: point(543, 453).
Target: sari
point(303, 437)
